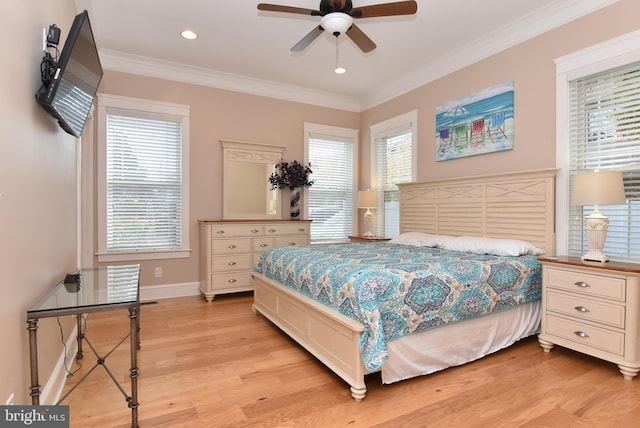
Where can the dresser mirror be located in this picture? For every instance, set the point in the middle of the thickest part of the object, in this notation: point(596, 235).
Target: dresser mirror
point(246, 191)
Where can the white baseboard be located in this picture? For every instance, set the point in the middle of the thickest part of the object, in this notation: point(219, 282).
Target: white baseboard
point(158, 292)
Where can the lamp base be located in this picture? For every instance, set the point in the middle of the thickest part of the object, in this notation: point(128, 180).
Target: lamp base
point(595, 256)
point(595, 227)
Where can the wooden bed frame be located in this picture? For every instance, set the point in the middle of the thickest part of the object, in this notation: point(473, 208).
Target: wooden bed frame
point(519, 205)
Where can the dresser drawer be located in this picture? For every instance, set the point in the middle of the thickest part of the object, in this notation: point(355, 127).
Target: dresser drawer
point(231, 280)
point(595, 337)
point(579, 307)
point(231, 262)
point(222, 231)
point(588, 284)
point(260, 245)
point(284, 241)
point(286, 229)
point(231, 246)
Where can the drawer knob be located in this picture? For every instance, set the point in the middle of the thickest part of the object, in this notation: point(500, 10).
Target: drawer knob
point(581, 309)
point(302, 229)
point(292, 243)
point(255, 231)
point(581, 284)
point(263, 245)
point(581, 334)
point(231, 281)
point(231, 247)
point(220, 232)
point(232, 263)
point(272, 231)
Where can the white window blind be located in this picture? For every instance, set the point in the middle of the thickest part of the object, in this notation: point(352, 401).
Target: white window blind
point(143, 182)
point(604, 134)
point(393, 156)
point(331, 196)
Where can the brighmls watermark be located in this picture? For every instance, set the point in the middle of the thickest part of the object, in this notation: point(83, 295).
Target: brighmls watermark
point(34, 416)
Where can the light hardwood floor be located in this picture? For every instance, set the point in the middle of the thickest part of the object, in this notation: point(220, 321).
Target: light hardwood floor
point(220, 365)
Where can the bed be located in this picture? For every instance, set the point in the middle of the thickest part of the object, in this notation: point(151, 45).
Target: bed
point(324, 316)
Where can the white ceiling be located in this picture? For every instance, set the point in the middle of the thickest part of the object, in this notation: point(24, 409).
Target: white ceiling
point(241, 48)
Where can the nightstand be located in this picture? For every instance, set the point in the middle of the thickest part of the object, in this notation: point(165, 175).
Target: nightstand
point(593, 308)
point(368, 239)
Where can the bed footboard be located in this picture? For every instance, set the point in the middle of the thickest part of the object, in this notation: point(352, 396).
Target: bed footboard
point(330, 336)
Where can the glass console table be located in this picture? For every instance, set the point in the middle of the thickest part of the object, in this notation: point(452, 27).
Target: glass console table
point(100, 289)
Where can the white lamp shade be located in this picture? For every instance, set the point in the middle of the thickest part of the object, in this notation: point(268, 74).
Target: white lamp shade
point(598, 188)
point(367, 199)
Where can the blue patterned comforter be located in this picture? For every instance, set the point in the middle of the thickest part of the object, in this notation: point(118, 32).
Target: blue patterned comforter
point(395, 290)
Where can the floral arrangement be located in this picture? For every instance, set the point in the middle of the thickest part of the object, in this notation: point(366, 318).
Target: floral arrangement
point(290, 175)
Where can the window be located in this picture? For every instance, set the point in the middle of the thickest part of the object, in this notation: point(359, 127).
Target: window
point(600, 122)
point(143, 179)
point(332, 152)
point(393, 161)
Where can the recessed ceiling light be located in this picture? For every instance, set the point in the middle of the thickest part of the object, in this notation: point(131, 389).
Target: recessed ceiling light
point(189, 35)
point(340, 70)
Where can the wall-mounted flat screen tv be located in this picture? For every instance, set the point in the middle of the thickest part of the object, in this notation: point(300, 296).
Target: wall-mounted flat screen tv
point(69, 93)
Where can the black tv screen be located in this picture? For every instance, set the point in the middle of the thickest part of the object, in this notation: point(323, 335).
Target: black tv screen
point(69, 94)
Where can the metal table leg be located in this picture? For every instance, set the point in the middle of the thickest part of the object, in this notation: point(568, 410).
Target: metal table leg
point(33, 360)
point(133, 402)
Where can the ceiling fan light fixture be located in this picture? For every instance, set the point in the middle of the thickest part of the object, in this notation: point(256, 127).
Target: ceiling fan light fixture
point(336, 23)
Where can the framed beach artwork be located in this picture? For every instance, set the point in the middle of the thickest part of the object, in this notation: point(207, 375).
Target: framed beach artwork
point(478, 123)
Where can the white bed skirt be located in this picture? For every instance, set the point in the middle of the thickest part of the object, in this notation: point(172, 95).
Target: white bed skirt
point(455, 344)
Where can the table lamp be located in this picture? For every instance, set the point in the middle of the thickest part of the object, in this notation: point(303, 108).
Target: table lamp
point(597, 188)
point(368, 199)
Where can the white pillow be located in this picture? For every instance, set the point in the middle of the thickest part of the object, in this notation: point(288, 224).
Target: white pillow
point(497, 247)
point(419, 239)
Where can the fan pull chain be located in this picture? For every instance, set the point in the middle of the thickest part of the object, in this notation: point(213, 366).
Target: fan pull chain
point(338, 69)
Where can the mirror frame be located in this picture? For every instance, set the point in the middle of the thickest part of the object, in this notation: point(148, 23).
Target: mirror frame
point(255, 153)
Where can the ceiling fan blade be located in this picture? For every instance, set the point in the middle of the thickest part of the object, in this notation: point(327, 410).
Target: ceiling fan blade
point(289, 9)
point(360, 39)
point(306, 40)
point(385, 9)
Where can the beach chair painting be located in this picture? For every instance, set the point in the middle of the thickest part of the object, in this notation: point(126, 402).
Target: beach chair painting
point(481, 122)
point(477, 132)
point(495, 129)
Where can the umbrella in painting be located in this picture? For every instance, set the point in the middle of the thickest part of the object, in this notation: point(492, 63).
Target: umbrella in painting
point(457, 113)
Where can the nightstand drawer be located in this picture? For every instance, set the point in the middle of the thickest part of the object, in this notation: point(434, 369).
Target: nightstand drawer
point(589, 284)
point(586, 309)
point(595, 337)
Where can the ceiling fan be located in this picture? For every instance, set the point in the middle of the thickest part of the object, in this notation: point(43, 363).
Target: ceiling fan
point(337, 18)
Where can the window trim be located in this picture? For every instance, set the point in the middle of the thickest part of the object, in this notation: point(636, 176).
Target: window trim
point(607, 55)
point(108, 101)
point(388, 127)
point(333, 132)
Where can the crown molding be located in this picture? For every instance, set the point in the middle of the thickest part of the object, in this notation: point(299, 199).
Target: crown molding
point(135, 64)
point(502, 38)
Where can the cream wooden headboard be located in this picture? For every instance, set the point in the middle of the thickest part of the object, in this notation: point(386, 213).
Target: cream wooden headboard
point(517, 205)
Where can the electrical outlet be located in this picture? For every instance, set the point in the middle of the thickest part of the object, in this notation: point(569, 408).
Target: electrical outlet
point(10, 399)
point(158, 272)
point(44, 39)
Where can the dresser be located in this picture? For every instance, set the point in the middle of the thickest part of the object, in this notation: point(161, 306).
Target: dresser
point(593, 308)
point(230, 248)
